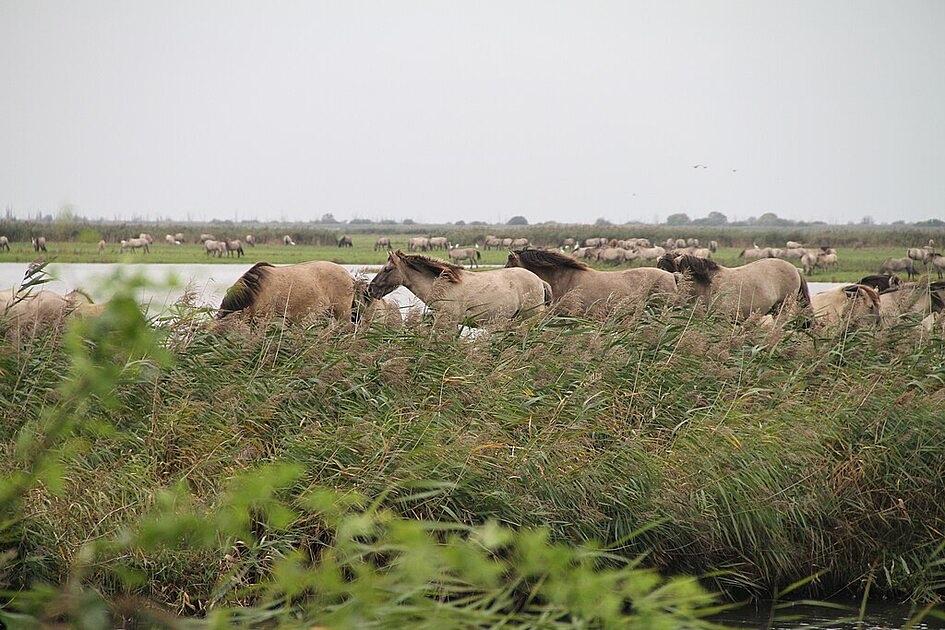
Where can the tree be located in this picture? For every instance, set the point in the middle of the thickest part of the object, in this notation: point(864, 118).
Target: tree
point(678, 218)
point(867, 220)
point(602, 222)
point(328, 218)
point(409, 222)
point(716, 218)
point(930, 223)
point(460, 222)
point(769, 218)
point(517, 220)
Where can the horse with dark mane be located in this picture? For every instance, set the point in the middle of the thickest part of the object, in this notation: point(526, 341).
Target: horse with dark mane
point(881, 281)
point(763, 286)
point(457, 294)
point(291, 292)
point(912, 298)
point(579, 288)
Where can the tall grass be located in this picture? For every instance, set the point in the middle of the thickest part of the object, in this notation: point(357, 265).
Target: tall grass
point(664, 434)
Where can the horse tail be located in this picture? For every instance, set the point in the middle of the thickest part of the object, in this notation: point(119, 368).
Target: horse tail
point(803, 294)
point(548, 295)
point(478, 254)
point(244, 291)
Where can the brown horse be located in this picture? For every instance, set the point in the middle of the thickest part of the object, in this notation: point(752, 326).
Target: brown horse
point(847, 306)
point(579, 289)
point(915, 298)
point(456, 294)
point(762, 286)
point(292, 292)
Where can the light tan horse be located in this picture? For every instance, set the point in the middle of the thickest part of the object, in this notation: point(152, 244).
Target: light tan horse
point(847, 306)
point(27, 315)
point(763, 286)
point(911, 298)
point(456, 295)
point(292, 292)
point(4, 243)
point(469, 254)
point(578, 289)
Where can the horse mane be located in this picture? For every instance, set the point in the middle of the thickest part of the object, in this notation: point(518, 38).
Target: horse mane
point(548, 259)
point(880, 282)
point(433, 266)
point(667, 262)
point(700, 269)
point(244, 291)
point(936, 290)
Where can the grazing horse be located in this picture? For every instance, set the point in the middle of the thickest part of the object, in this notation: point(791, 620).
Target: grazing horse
point(919, 298)
point(214, 248)
point(418, 243)
point(4, 244)
point(936, 260)
point(179, 237)
point(439, 242)
point(762, 286)
point(287, 240)
point(382, 243)
point(291, 292)
point(250, 240)
point(134, 244)
point(493, 242)
point(234, 247)
point(881, 282)
point(849, 306)
point(568, 243)
point(578, 289)
point(169, 239)
point(893, 265)
point(456, 294)
point(469, 254)
point(345, 241)
point(39, 244)
point(38, 311)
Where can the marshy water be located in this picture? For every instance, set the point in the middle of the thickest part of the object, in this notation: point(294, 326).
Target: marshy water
point(169, 282)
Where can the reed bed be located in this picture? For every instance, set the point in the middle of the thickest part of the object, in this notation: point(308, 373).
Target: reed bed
point(665, 436)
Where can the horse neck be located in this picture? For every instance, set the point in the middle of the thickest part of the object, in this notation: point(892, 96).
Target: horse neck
point(419, 283)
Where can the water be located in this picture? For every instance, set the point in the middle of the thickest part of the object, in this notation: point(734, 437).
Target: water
point(208, 281)
point(836, 615)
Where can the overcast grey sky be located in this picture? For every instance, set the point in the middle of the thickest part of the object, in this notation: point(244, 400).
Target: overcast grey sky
point(477, 110)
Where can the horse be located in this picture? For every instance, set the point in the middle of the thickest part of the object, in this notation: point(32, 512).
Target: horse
point(39, 244)
point(439, 242)
point(34, 312)
point(755, 253)
point(382, 243)
point(893, 265)
point(492, 242)
point(519, 243)
point(849, 305)
point(651, 253)
point(907, 298)
point(456, 295)
point(469, 254)
point(250, 240)
point(179, 237)
point(826, 260)
point(793, 245)
point(287, 241)
point(101, 246)
point(763, 286)
point(146, 238)
point(568, 243)
point(936, 260)
point(713, 246)
point(577, 289)
point(881, 282)
point(418, 243)
point(919, 254)
point(4, 244)
point(134, 244)
point(291, 292)
point(214, 248)
point(345, 241)
point(206, 237)
point(169, 239)
point(594, 242)
point(234, 247)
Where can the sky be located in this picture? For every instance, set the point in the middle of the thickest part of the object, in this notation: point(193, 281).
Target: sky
point(438, 111)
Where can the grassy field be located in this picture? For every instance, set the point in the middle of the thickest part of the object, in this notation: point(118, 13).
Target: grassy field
point(753, 458)
point(854, 262)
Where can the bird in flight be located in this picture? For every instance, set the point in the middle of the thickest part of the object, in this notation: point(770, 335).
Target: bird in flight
point(700, 166)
